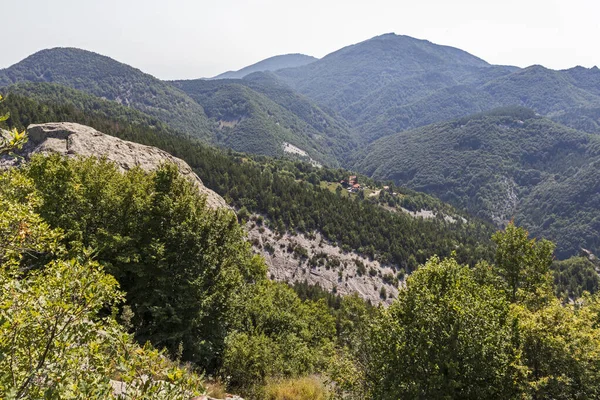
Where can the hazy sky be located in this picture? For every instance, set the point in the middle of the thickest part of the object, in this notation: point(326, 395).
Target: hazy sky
point(197, 38)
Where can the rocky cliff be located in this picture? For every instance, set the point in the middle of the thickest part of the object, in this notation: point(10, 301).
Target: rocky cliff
point(70, 139)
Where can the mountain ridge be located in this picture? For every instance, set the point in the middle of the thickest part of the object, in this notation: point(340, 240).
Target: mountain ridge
point(105, 77)
point(269, 64)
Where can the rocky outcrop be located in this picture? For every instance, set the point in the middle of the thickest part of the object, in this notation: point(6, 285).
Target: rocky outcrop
point(312, 259)
point(71, 139)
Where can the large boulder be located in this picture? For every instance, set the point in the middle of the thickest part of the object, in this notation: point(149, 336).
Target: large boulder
point(71, 139)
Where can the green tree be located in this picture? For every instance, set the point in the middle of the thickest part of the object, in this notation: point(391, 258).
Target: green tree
point(56, 339)
point(182, 265)
point(279, 336)
point(12, 139)
point(524, 265)
point(560, 349)
point(445, 337)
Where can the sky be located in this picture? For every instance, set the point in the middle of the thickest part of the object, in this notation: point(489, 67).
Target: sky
point(186, 39)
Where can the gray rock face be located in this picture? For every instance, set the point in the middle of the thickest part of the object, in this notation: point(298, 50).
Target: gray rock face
point(71, 139)
point(285, 266)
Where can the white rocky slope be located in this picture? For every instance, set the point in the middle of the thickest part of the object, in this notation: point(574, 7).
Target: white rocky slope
point(71, 139)
point(289, 260)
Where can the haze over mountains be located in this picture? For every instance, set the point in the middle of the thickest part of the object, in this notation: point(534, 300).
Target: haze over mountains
point(270, 64)
point(371, 106)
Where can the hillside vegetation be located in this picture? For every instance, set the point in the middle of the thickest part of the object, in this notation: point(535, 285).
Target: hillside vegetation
point(251, 121)
point(289, 195)
point(499, 165)
point(192, 285)
point(392, 83)
point(107, 78)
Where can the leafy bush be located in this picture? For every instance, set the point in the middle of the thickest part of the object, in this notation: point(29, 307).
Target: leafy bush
point(58, 334)
point(182, 265)
point(279, 336)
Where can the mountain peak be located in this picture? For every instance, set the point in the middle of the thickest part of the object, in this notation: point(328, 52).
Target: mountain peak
point(402, 52)
point(270, 64)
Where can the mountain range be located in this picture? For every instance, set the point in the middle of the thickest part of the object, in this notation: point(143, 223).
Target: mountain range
point(492, 139)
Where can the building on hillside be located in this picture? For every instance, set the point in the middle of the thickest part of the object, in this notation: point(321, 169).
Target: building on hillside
point(355, 188)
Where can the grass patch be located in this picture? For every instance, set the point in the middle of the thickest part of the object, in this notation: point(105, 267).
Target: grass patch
point(332, 186)
point(306, 388)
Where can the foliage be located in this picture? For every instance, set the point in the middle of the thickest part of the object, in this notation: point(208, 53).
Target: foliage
point(192, 285)
point(181, 264)
point(559, 346)
point(10, 140)
point(523, 265)
point(574, 276)
point(450, 337)
point(56, 339)
point(455, 332)
point(279, 336)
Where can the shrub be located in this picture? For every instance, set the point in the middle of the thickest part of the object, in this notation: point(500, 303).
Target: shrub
point(306, 388)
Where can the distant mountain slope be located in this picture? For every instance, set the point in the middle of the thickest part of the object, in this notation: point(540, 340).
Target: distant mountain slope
point(250, 120)
point(499, 165)
point(544, 90)
point(65, 96)
point(392, 83)
point(82, 79)
point(370, 78)
point(586, 119)
point(356, 71)
point(324, 120)
point(105, 77)
point(270, 64)
point(292, 197)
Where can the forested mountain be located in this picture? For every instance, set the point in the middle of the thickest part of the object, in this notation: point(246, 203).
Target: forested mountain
point(104, 77)
point(392, 83)
point(586, 119)
point(356, 95)
point(501, 164)
point(57, 94)
point(240, 117)
point(289, 193)
point(270, 64)
point(543, 90)
point(365, 80)
point(261, 114)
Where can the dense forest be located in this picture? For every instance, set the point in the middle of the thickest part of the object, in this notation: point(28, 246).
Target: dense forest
point(288, 195)
point(251, 122)
point(103, 77)
point(391, 83)
point(501, 164)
